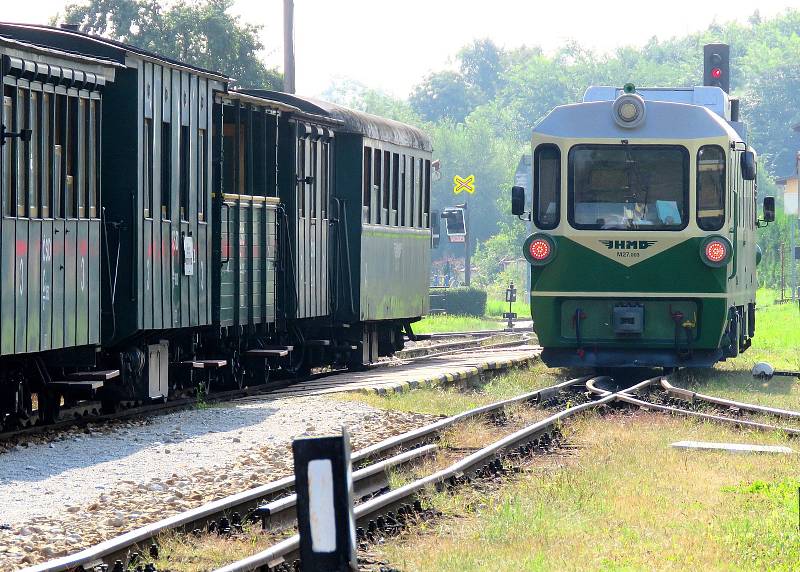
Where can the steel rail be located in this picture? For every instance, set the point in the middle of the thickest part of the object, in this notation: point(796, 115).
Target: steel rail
point(707, 416)
point(365, 481)
point(288, 549)
point(118, 546)
point(689, 395)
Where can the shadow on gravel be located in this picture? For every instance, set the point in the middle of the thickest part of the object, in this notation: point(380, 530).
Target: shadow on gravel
point(40, 461)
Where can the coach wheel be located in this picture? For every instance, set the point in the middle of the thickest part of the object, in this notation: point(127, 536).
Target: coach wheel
point(49, 405)
point(237, 371)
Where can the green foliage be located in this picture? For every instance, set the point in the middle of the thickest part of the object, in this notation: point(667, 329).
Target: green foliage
point(462, 301)
point(199, 32)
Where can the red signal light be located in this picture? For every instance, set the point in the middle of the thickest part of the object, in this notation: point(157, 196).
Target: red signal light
point(540, 249)
point(716, 73)
point(716, 251)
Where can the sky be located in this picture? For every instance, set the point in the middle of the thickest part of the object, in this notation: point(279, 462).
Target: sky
point(391, 46)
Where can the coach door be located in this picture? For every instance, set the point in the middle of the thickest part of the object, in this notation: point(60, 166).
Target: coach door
point(312, 190)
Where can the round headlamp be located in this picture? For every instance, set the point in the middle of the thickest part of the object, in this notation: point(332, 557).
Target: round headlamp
point(628, 110)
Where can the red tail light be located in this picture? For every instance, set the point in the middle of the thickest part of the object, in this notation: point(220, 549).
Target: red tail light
point(540, 249)
point(715, 251)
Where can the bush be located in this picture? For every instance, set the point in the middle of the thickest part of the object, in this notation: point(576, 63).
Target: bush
point(459, 301)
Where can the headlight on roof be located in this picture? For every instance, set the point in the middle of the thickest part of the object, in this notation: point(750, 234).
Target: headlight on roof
point(628, 110)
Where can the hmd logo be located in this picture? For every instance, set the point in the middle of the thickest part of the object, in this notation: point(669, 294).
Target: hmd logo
point(628, 244)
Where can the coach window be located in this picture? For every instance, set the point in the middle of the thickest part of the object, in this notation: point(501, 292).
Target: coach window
point(46, 181)
point(547, 187)
point(427, 193)
point(412, 180)
point(183, 211)
point(395, 184)
point(8, 191)
point(23, 120)
point(710, 187)
point(69, 157)
point(420, 198)
point(92, 139)
point(202, 165)
point(375, 198)
point(301, 177)
point(33, 156)
point(367, 184)
point(60, 143)
point(166, 170)
point(403, 192)
point(147, 167)
point(313, 194)
point(386, 188)
point(324, 178)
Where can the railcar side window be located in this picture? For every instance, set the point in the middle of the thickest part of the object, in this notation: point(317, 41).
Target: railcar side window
point(8, 191)
point(395, 184)
point(314, 180)
point(33, 157)
point(23, 120)
point(147, 165)
point(547, 187)
point(710, 187)
point(46, 186)
point(427, 221)
point(301, 177)
point(90, 152)
point(367, 183)
point(202, 165)
point(627, 187)
point(386, 188)
point(69, 157)
point(166, 170)
point(401, 215)
point(375, 197)
point(413, 184)
point(183, 211)
point(324, 178)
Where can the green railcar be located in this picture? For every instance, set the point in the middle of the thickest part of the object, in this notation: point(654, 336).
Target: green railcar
point(644, 245)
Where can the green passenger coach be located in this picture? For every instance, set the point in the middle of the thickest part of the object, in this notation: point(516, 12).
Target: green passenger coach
point(644, 215)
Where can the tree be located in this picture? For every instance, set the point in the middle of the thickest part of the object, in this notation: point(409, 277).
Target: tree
point(481, 67)
point(444, 96)
point(199, 32)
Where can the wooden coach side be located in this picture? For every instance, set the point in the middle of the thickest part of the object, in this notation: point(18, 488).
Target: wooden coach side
point(50, 235)
point(159, 188)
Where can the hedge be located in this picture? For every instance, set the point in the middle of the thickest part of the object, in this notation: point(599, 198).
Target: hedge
point(459, 301)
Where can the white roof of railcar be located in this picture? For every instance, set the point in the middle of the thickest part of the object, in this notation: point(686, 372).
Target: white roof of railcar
point(664, 120)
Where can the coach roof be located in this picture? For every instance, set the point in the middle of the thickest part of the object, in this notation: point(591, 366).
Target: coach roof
point(82, 44)
point(353, 121)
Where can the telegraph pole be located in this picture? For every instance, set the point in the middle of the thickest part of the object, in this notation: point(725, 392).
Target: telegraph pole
point(794, 224)
point(288, 46)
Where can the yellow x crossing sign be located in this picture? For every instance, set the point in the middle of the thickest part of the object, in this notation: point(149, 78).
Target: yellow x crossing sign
point(467, 184)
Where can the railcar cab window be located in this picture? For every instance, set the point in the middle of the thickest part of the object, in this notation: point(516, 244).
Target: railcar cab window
point(628, 187)
point(547, 187)
point(710, 187)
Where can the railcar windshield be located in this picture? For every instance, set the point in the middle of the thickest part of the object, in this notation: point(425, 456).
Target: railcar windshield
point(628, 187)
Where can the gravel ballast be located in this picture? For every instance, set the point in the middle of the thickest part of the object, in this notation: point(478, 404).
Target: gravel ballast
point(59, 497)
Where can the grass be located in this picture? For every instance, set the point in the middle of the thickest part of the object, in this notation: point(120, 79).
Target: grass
point(440, 323)
point(496, 308)
point(625, 501)
point(452, 400)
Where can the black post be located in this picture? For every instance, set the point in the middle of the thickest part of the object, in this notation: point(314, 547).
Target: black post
point(325, 503)
point(467, 249)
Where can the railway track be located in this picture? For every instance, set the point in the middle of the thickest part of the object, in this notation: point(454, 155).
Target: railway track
point(386, 454)
point(273, 504)
point(90, 412)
